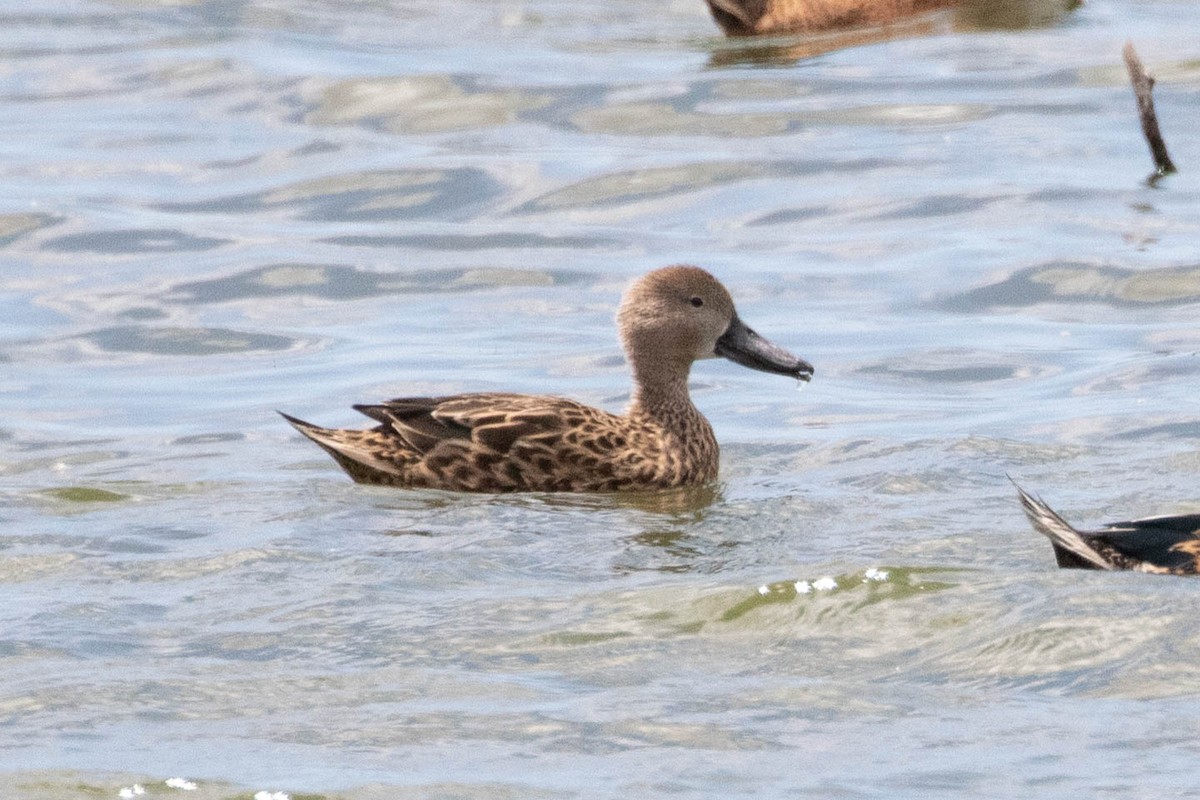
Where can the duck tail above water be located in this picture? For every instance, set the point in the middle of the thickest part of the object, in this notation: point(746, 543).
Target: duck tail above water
point(350, 449)
point(1070, 548)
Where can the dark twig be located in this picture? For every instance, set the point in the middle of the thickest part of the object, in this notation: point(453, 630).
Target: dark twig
point(1143, 85)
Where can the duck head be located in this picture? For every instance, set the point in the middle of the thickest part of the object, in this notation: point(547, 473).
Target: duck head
point(676, 315)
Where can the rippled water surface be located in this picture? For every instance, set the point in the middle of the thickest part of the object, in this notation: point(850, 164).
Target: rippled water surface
point(213, 210)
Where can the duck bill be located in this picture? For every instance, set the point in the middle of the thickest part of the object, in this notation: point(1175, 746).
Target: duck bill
point(743, 346)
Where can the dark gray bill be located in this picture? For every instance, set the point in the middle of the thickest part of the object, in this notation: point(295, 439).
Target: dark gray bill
point(743, 346)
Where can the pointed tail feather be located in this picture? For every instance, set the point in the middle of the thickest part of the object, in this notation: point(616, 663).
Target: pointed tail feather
point(1047, 522)
point(347, 449)
point(307, 428)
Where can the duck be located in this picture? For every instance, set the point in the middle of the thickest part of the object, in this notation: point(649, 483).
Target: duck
point(1166, 545)
point(775, 17)
point(502, 442)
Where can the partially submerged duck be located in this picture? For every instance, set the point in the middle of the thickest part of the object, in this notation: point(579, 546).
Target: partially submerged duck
point(769, 17)
point(494, 442)
point(1168, 545)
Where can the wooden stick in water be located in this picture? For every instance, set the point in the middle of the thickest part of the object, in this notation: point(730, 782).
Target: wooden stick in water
point(1143, 85)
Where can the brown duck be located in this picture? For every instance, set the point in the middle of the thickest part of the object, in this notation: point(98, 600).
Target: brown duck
point(1164, 545)
point(493, 442)
point(753, 17)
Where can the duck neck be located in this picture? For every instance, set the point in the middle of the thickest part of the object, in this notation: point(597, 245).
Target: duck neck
point(662, 397)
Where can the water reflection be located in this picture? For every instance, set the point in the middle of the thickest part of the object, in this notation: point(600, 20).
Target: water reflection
point(688, 503)
point(782, 51)
point(1012, 15)
point(682, 506)
point(666, 550)
point(967, 16)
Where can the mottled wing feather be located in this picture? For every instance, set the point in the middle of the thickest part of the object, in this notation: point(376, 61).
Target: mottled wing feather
point(506, 442)
point(493, 420)
point(492, 442)
point(500, 436)
point(416, 422)
point(474, 409)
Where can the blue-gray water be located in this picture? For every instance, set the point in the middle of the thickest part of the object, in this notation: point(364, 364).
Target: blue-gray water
point(212, 210)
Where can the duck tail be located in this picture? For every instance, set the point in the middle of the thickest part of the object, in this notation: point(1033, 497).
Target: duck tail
point(352, 450)
point(306, 428)
point(1070, 548)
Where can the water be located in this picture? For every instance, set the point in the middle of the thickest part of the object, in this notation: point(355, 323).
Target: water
point(211, 211)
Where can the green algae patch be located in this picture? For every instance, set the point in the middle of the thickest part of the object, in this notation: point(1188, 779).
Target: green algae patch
point(85, 494)
point(857, 590)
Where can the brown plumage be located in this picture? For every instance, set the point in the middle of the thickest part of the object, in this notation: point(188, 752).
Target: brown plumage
point(495, 442)
point(1165, 545)
point(754, 17)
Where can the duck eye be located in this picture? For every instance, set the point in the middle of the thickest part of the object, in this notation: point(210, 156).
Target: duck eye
point(697, 301)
